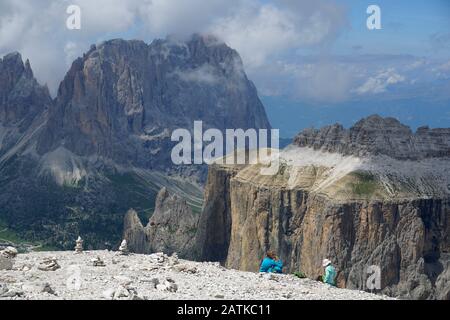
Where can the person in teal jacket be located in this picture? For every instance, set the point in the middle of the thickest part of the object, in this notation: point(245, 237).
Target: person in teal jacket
point(271, 264)
point(330, 273)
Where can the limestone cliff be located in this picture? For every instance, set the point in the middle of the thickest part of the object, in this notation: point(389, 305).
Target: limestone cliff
point(358, 208)
point(171, 228)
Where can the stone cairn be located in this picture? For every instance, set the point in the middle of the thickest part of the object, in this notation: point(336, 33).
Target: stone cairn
point(123, 249)
point(98, 262)
point(49, 264)
point(9, 252)
point(79, 246)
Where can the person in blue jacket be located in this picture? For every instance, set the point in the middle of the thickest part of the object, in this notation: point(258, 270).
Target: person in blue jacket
point(330, 273)
point(271, 263)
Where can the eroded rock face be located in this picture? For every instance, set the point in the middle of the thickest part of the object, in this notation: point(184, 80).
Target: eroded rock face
point(405, 239)
point(358, 211)
point(214, 228)
point(171, 229)
point(134, 233)
point(376, 135)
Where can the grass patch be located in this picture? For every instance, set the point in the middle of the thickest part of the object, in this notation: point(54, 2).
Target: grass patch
point(300, 275)
point(365, 185)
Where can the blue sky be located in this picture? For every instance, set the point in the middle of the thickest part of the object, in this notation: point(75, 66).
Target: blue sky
point(313, 62)
point(407, 27)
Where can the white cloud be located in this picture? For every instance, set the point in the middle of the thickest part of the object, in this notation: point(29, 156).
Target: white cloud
point(260, 31)
point(322, 80)
point(380, 82)
point(181, 17)
point(203, 74)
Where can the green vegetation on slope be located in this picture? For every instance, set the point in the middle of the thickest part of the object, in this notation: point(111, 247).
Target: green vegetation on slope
point(7, 235)
point(365, 185)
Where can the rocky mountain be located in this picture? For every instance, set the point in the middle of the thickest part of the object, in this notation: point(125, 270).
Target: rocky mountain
point(74, 164)
point(354, 196)
point(378, 136)
point(171, 228)
point(123, 99)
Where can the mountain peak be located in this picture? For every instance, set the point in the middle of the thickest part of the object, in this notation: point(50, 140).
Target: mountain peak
point(21, 97)
point(377, 122)
point(13, 56)
point(12, 66)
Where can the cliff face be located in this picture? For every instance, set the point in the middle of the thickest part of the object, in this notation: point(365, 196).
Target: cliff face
point(214, 228)
point(358, 211)
point(171, 229)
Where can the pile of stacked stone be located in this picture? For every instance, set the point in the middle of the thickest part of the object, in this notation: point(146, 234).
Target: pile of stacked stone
point(122, 293)
point(173, 259)
point(98, 262)
point(7, 256)
point(79, 246)
point(125, 290)
point(49, 264)
point(123, 249)
point(168, 285)
point(159, 258)
point(9, 252)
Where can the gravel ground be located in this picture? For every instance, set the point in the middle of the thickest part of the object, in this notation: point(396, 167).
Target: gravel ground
point(152, 277)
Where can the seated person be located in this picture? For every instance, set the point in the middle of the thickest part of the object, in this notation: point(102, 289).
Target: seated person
point(330, 273)
point(271, 263)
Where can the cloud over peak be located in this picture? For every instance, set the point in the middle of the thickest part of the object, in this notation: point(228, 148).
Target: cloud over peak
point(258, 30)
